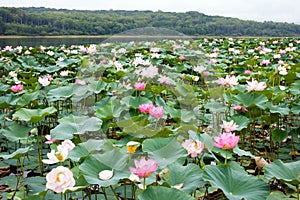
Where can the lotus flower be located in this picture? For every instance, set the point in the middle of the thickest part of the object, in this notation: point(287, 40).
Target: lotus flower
point(145, 108)
point(226, 141)
point(157, 112)
point(140, 85)
point(17, 88)
point(229, 126)
point(60, 179)
point(144, 168)
point(194, 147)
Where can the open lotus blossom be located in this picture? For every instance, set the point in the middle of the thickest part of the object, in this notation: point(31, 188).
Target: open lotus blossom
point(45, 81)
point(229, 126)
point(145, 108)
point(56, 156)
point(140, 85)
point(157, 111)
point(282, 70)
point(60, 179)
point(144, 168)
point(227, 140)
point(229, 81)
point(66, 144)
point(181, 57)
point(194, 147)
point(16, 88)
point(256, 86)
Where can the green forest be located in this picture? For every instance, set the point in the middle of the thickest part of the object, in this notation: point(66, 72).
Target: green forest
point(52, 22)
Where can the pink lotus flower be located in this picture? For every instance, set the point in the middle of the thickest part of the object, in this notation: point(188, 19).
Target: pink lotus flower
point(254, 85)
point(229, 126)
point(229, 81)
point(17, 88)
point(194, 147)
point(144, 168)
point(247, 72)
point(226, 140)
point(157, 112)
point(66, 144)
point(181, 57)
point(60, 179)
point(140, 85)
point(145, 108)
point(242, 108)
point(164, 79)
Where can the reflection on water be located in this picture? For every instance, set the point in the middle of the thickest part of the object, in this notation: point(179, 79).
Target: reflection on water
point(68, 41)
point(53, 41)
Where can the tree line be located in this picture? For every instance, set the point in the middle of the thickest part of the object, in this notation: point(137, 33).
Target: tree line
point(46, 21)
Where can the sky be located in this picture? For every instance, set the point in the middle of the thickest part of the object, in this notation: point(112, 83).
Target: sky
point(257, 10)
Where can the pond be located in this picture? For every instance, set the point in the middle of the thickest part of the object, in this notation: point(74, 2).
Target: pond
point(33, 41)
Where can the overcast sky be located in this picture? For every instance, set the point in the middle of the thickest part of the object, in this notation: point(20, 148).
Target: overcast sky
point(258, 10)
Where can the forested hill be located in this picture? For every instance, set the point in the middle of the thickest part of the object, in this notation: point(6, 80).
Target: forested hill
point(44, 21)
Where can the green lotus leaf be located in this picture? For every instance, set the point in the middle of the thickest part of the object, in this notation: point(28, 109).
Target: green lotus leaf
point(164, 150)
point(295, 109)
point(26, 98)
point(135, 102)
point(241, 121)
point(61, 93)
point(17, 154)
point(235, 184)
point(17, 133)
point(278, 135)
point(97, 86)
point(159, 193)
point(71, 125)
point(250, 100)
point(214, 106)
point(33, 115)
point(8, 100)
point(278, 196)
point(281, 109)
point(113, 160)
point(288, 172)
point(109, 108)
point(190, 176)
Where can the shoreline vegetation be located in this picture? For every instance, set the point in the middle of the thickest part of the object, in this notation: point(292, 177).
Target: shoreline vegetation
point(55, 22)
point(131, 36)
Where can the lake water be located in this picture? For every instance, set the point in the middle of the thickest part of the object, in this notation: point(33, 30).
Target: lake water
point(65, 40)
